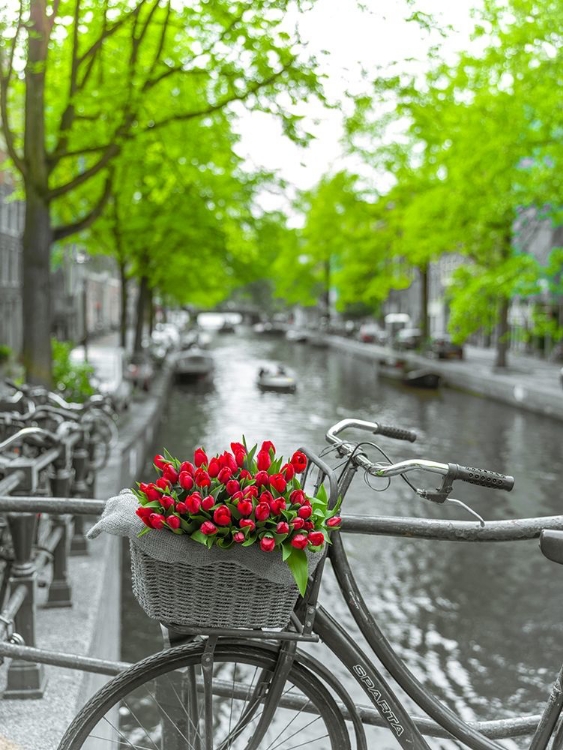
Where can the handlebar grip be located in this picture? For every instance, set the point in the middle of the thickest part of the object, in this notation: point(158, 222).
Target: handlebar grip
point(396, 432)
point(482, 477)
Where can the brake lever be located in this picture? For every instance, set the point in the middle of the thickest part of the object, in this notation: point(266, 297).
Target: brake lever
point(468, 509)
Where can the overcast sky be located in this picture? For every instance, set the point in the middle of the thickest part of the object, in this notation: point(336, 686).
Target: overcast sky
point(353, 38)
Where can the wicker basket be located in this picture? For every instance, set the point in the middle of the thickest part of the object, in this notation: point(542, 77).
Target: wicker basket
point(221, 595)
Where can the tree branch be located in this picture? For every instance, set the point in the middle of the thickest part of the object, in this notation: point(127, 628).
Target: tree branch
point(112, 150)
point(59, 233)
point(220, 105)
point(67, 116)
point(4, 86)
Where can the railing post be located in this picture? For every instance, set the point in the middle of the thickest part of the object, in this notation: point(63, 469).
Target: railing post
point(81, 466)
point(60, 591)
point(25, 679)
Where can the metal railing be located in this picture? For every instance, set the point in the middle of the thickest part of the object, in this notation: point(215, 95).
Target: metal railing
point(47, 480)
point(18, 616)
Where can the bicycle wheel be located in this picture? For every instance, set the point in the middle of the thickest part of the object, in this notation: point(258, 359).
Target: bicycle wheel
point(161, 704)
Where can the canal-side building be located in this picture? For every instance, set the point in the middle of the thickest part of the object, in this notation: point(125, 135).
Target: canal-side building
point(11, 230)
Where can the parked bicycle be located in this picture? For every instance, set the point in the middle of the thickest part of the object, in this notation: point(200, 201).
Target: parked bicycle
point(34, 420)
point(215, 689)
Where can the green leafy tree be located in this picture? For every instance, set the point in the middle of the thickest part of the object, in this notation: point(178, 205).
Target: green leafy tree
point(80, 81)
point(480, 137)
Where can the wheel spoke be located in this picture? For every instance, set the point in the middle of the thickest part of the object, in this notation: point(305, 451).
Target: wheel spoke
point(161, 701)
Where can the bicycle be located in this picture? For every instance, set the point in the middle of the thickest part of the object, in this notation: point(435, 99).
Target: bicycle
point(215, 689)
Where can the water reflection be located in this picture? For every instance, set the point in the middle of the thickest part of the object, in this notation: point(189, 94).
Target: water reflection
point(479, 623)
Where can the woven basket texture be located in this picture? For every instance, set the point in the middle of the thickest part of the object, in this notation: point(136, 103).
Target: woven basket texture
point(221, 595)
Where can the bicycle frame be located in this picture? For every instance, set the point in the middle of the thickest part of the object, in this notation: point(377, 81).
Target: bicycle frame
point(370, 679)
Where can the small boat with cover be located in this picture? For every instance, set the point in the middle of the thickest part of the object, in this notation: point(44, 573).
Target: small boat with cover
point(277, 378)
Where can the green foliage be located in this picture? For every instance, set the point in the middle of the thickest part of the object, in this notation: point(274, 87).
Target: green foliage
point(5, 353)
point(71, 378)
point(477, 291)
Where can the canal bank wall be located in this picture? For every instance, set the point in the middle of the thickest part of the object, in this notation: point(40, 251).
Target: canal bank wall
point(521, 386)
point(92, 626)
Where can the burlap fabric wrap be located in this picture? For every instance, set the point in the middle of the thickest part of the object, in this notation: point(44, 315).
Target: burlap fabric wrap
point(181, 582)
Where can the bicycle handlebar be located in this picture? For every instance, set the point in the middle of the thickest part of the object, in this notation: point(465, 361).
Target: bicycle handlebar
point(376, 428)
point(450, 472)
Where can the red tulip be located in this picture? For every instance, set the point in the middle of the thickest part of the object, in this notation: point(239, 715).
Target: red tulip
point(232, 486)
point(299, 541)
point(297, 497)
point(277, 506)
point(222, 516)
point(262, 511)
point(245, 507)
point(251, 491)
point(152, 493)
point(266, 497)
point(247, 522)
point(288, 471)
point(193, 503)
point(238, 537)
point(245, 474)
point(214, 468)
point(200, 457)
point(187, 466)
point(299, 462)
point(159, 461)
point(261, 478)
point(267, 543)
point(282, 528)
point(166, 501)
point(170, 473)
point(297, 523)
point(305, 511)
point(181, 507)
point(278, 481)
point(334, 522)
point(157, 520)
point(263, 460)
point(268, 446)
point(202, 478)
point(208, 528)
point(224, 475)
point(163, 483)
point(186, 480)
point(208, 502)
point(238, 448)
point(173, 522)
point(316, 538)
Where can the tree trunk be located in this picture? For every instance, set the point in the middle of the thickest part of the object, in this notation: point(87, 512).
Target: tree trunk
point(36, 290)
point(151, 311)
point(123, 308)
point(424, 295)
point(502, 334)
point(142, 301)
point(37, 235)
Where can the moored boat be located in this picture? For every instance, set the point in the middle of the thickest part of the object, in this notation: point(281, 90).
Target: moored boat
point(276, 379)
point(193, 363)
point(398, 369)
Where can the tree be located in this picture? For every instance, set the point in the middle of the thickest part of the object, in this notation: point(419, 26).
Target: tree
point(96, 78)
point(176, 217)
point(481, 136)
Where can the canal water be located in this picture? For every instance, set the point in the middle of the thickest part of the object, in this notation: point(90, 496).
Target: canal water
point(479, 623)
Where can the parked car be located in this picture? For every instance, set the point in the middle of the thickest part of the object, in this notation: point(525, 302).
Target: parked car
point(110, 373)
point(370, 333)
point(443, 347)
point(140, 370)
point(408, 338)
